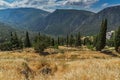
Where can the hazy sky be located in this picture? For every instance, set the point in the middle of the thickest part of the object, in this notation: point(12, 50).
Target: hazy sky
point(51, 5)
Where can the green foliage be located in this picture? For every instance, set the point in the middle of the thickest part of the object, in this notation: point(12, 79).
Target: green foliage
point(52, 42)
point(56, 46)
point(16, 43)
point(67, 40)
point(87, 41)
point(101, 39)
point(78, 40)
point(27, 42)
point(71, 40)
point(41, 43)
point(91, 47)
point(110, 42)
point(6, 46)
point(12, 44)
point(40, 46)
point(95, 40)
point(117, 40)
point(58, 41)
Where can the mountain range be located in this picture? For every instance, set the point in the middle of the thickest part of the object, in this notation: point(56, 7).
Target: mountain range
point(61, 21)
point(24, 18)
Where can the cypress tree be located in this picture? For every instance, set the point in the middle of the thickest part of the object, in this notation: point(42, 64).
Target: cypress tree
point(16, 43)
point(101, 40)
point(67, 40)
point(11, 38)
point(14, 40)
point(117, 40)
point(78, 40)
point(27, 42)
point(58, 41)
point(62, 40)
point(52, 42)
point(71, 42)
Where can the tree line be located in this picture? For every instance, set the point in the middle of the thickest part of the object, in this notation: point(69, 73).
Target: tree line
point(42, 41)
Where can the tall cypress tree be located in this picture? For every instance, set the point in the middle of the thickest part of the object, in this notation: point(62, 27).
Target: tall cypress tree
point(16, 40)
point(27, 42)
point(117, 40)
point(78, 40)
point(71, 41)
point(101, 40)
point(67, 40)
point(58, 41)
point(52, 42)
point(11, 38)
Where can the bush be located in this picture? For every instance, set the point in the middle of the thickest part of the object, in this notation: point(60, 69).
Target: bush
point(91, 47)
point(40, 46)
point(6, 46)
point(55, 46)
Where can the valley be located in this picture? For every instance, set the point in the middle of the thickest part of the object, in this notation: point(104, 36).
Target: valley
point(59, 40)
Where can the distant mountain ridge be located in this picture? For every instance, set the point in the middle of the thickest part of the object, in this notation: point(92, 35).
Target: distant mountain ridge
point(24, 18)
point(92, 24)
point(61, 21)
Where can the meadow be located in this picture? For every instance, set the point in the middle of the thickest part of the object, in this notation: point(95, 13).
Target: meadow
point(65, 63)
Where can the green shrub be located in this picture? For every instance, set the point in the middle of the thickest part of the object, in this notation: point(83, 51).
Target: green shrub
point(6, 46)
point(91, 47)
point(40, 46)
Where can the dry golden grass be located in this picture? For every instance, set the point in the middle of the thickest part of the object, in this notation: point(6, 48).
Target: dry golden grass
point(67, 64)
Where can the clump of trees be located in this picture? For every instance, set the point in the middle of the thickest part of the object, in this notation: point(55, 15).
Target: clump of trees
point(73, 41)
point(15, 43)
point(12, 44)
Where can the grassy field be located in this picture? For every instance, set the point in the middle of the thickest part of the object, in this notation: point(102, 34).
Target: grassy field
point(60, 64)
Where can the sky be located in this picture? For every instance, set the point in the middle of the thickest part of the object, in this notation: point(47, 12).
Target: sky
point(51, 5)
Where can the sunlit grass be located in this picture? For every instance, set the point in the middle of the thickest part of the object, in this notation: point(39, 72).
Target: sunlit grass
point(67, 64)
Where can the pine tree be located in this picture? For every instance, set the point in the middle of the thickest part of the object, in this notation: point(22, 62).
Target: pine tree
point(16, 43)
point(78, 40)
point(27, 42)
point(62, 40)
point(117, 40)
point(58, 41)
point(101, 41)
point(67, 40)
point(52, 42)
point(95, 40)
point(71, 41)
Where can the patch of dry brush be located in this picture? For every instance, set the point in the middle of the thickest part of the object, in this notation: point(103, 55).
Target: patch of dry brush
point(73, 64)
